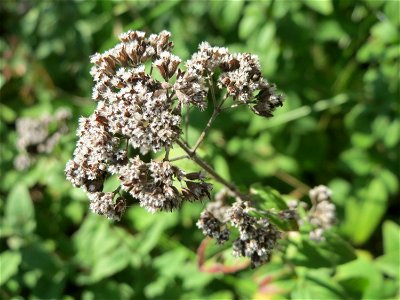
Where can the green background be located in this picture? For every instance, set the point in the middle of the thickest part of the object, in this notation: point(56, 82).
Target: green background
point(337, 62)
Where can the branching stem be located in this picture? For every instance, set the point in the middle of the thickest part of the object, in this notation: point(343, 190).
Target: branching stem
point(205, 130)
point(192, 155)
point(217, 110)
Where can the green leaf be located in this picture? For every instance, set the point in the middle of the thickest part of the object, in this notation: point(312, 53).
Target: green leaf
point(151, 236)
point(365, 274)
point(231, 14)
point(370, 211)
point(392, 11)
point(222, 167)
point(9, 262)
point(156, 288)
point(253, 17)
point(357, 160)
point(385, 31)
point(330, 31)
point(317, 285)
point(332, 252)
point(324, 7)
point(389, 180)
point(362, 140)
point(38, 256)
point(391, 237)
point(111, 184)
point(19, 210)
point(108, 289)
point(266, 36)
point(49, 287)
point(193, 278)
point(113, 262)
point(281, 223)
point(392, 138)
point(102, 249)
point(389, 264)
point(341, 189)
point(6, 113)
point(267, 198)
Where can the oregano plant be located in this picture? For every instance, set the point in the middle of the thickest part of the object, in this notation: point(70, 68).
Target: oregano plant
point(144, 94)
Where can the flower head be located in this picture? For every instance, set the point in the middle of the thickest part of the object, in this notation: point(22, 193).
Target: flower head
point(323, 214)
point(140, 112)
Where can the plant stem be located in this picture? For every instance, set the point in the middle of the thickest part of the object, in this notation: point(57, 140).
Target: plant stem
point(192, 155)
point(187, 116)
point(214, 115)
point(301, 187)
point(166, 158)
point(205, 131)
point(178, 158)
point(211, 86)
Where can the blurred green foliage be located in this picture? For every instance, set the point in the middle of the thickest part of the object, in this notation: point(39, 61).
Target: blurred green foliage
point(337, 63)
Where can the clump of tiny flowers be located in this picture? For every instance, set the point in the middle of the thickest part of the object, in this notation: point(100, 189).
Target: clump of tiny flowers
point(35, 136)
point(240, 75)
point(323, 213)
point(138, 112)
point(257, 236)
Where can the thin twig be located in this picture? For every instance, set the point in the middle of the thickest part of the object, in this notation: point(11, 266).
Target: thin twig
point(205, 130)
point(179, 158)
point(127, 147)
point(210, 170)
point(211, 86)
point(292, 181)
point(297, 193)
point(214, 115)
point(187, 124)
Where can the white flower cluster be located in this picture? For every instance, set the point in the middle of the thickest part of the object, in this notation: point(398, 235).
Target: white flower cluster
point(151, 184)
point(132, 108)
point(257, 236)
point(323, 213)
point(240, 75)
point(93, 154)
point(134, 104)
point(135, 110)
point(34, 136)
point(213, 220)
point(104, 204)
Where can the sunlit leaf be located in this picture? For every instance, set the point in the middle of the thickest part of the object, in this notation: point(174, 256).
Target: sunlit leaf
point(9, 261)
point(324, 7)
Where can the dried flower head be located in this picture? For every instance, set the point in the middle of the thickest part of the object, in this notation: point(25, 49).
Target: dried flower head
point(151, 184)
point(35, 136)
point(138, 112)
point(104, 204)
point(240, 74)
point(323, 213)
point(257, 237)
point(213, 227)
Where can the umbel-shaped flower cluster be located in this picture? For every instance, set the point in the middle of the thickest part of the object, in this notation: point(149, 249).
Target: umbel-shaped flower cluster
point(142, 92)
point(257, 237)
